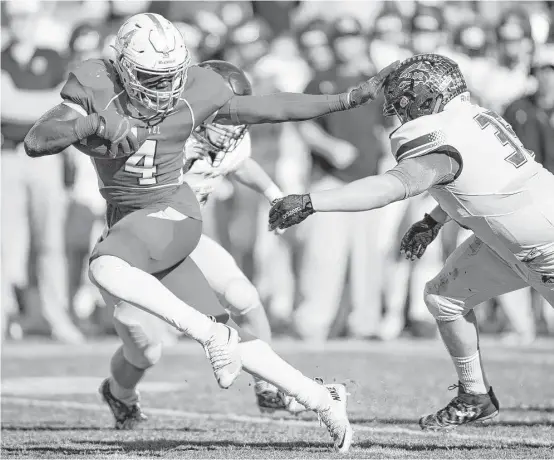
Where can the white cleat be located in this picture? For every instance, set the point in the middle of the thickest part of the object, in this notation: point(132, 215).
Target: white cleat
point(223, 352)
point(336, 419)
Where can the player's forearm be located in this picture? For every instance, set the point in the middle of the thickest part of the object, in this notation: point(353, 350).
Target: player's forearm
point(439, 215)
point(254, 177)
point(362, 195)
point(51, 135)
point(283, 107)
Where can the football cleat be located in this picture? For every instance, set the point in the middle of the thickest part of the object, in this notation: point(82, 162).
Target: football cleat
point(223, 352)
point(126, 417)
point(270, 401)
point(335, 418)
point(463, 409)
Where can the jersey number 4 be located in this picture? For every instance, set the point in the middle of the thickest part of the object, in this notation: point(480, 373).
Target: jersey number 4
point(506, 135)
point(142, 163)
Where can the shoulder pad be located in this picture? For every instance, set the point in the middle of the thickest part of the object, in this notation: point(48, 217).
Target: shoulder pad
point(416, 138)
point(210, 82)
point(91, 85)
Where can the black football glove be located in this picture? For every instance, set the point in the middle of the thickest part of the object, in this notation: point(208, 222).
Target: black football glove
point(419, 236)
point(116, 129)
point(290, 210)
point(369, 90)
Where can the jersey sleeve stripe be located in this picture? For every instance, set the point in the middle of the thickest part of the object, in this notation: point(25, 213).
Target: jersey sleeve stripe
point(420, 145)
point(191, 115)
point(76, 107)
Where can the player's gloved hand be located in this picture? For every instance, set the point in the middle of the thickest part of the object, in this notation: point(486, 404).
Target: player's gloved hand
point(419, 236)
point(116, 129)
point(289, 211)
point(369, 90)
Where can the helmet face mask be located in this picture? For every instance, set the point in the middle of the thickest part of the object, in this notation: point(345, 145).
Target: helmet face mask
point(152, 61)
point(216, 138)
point(422, 85)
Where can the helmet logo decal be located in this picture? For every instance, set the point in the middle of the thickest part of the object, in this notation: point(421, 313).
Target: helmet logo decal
point(128, 37)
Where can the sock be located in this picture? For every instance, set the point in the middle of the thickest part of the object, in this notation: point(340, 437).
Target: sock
point(470, 374)
point(146, 292)
point(261, 361)
point(256, 323)
point(128, 396)
point(123, 372)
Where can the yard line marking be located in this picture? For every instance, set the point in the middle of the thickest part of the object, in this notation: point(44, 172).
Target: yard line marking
point(530, 442)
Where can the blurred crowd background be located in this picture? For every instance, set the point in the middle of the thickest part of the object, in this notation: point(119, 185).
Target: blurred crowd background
point(336, 275)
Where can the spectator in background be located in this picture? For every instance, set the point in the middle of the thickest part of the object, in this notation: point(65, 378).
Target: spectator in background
point(532, 118)
point(34, 201)
point(85, 217)
point(389, 40)
point(344, 148)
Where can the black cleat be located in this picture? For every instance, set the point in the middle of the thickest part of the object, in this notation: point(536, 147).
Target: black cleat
point(463, 409)
point(126, 417)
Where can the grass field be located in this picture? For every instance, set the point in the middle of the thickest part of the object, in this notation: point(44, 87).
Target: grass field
point(50, 408)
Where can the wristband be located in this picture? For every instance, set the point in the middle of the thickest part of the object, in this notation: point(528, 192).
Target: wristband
point(272, 193)
point(86, 126)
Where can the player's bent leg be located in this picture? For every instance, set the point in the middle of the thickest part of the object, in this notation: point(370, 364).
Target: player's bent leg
point(471, 275)
point(136, 248)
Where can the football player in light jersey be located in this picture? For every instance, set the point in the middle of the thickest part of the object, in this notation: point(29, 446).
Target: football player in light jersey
point(480, 174)
point(133, 114)
point(213, 152)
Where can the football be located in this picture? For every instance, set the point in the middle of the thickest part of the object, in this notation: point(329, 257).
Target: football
point(96, 147)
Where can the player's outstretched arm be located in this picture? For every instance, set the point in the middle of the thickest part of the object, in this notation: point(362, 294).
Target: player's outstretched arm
point(57, 129)
point(254, 177)
point(409, 178)
point(283, 107)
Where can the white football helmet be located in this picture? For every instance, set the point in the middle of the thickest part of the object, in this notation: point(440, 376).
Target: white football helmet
point(152, 61)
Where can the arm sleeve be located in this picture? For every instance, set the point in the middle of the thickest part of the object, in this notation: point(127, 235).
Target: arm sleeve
point(76, 93)
point(280, 107)
point(421, 173)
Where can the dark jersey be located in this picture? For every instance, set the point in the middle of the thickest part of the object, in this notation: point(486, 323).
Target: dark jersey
point(155, 170)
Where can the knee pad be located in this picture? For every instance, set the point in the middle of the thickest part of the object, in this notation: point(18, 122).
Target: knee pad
point(142, 346)
point(443, 308)
point(242, 296)
point(104, 270)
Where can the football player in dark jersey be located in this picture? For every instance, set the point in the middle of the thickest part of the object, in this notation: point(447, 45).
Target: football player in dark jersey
point(133, 116)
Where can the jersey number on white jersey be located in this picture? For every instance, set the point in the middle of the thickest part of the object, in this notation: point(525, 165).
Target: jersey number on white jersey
point(506, 135)
point(142, 162)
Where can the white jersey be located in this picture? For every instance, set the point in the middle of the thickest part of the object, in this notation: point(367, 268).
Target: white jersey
point(501, 193)
point(204, 178)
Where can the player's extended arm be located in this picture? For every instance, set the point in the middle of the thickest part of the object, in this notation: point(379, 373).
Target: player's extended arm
point(282, 107)
point(57, 129)
point(409, 178)
point(253, 176)
point(63, 126)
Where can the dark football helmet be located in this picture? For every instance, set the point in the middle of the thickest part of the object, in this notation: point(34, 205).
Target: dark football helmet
point(218, 138)
point(422, 85)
